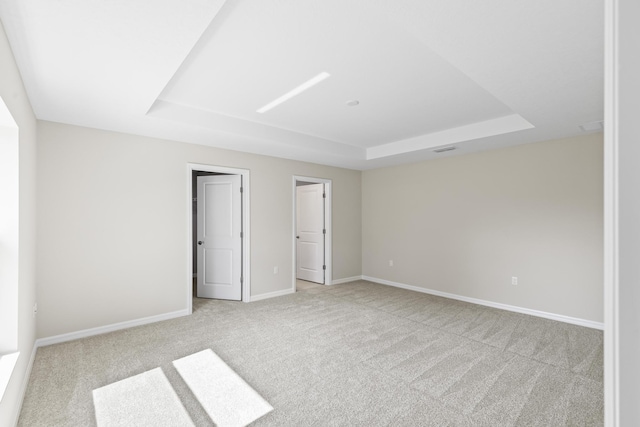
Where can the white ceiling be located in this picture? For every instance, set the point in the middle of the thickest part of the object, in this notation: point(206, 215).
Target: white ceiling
point(426, 73)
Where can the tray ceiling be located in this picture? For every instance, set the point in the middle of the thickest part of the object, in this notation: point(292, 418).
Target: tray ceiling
point(425, 74)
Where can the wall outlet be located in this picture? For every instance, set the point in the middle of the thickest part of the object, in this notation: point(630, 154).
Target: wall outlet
point(514, 280)
point(390, 263)
point(275, 270)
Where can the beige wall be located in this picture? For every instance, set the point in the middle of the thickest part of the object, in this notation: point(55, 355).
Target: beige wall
point(113, 224)
point(14, 96)
point(466, 224)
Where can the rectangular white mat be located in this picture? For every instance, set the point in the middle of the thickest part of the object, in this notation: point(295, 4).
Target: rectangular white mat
point(146, 399)
point(227, 398)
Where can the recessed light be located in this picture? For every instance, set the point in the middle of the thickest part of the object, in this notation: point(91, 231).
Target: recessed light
point(297, 91)
point(353, 103)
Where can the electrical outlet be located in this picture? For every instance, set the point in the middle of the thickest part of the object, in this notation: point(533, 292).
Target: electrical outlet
point(390, 263)
point(275, 270)
point(514, 280)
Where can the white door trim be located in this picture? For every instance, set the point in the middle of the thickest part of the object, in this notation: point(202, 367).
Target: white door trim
point(621, 204)
point(328, 274)
point(611, 214)
point(246, 247)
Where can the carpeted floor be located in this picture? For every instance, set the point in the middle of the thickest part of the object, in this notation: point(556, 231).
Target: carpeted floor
point(345, 355)
point(303, 285)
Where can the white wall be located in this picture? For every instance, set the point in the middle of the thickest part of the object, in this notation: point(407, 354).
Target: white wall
point(14, 96)
point(112, 224)
point(466, 224)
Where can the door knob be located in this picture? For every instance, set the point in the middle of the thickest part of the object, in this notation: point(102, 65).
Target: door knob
point(200, 242)
point(297, 237)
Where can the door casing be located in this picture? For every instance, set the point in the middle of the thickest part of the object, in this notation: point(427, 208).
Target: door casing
point(246, 209)
point(328, 275)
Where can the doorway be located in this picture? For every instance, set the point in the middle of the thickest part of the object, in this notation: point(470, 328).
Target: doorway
point(219, 237)
point(223, 182)
point(312, 260)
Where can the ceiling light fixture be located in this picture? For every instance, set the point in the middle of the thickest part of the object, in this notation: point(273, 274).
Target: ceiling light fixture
point(297, 91)
point(353, 103)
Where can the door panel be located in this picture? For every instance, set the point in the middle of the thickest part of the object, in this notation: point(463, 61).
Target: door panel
point(218, 197)
point(308, 255)
point(218, 267)
point(309, 232)
point(219, 241)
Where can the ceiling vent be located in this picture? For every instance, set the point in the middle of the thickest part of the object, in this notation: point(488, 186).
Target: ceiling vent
point(592, 126)
point(443, 149)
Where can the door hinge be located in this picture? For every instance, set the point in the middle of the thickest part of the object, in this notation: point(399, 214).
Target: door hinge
point(241, 279)
point(195, 199)
point(241, 189)
point(324, 267)
point(241, 235)
point(324, 195)
point(324, 231)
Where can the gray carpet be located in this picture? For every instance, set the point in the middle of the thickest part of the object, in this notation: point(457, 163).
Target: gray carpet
point(146, 399)
point(227, 398)
point(351, 354)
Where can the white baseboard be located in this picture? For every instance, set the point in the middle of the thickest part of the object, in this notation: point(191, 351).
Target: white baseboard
point(346, 280)
point(272, 294)
point(41, 342)
point(537, 313)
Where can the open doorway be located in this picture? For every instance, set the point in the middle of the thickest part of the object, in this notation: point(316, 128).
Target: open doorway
point(217, 232)
point(232, 187)
point(312, 257)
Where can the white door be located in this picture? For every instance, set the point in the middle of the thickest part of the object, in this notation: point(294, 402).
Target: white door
point(310, 232)
point(219, 237)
